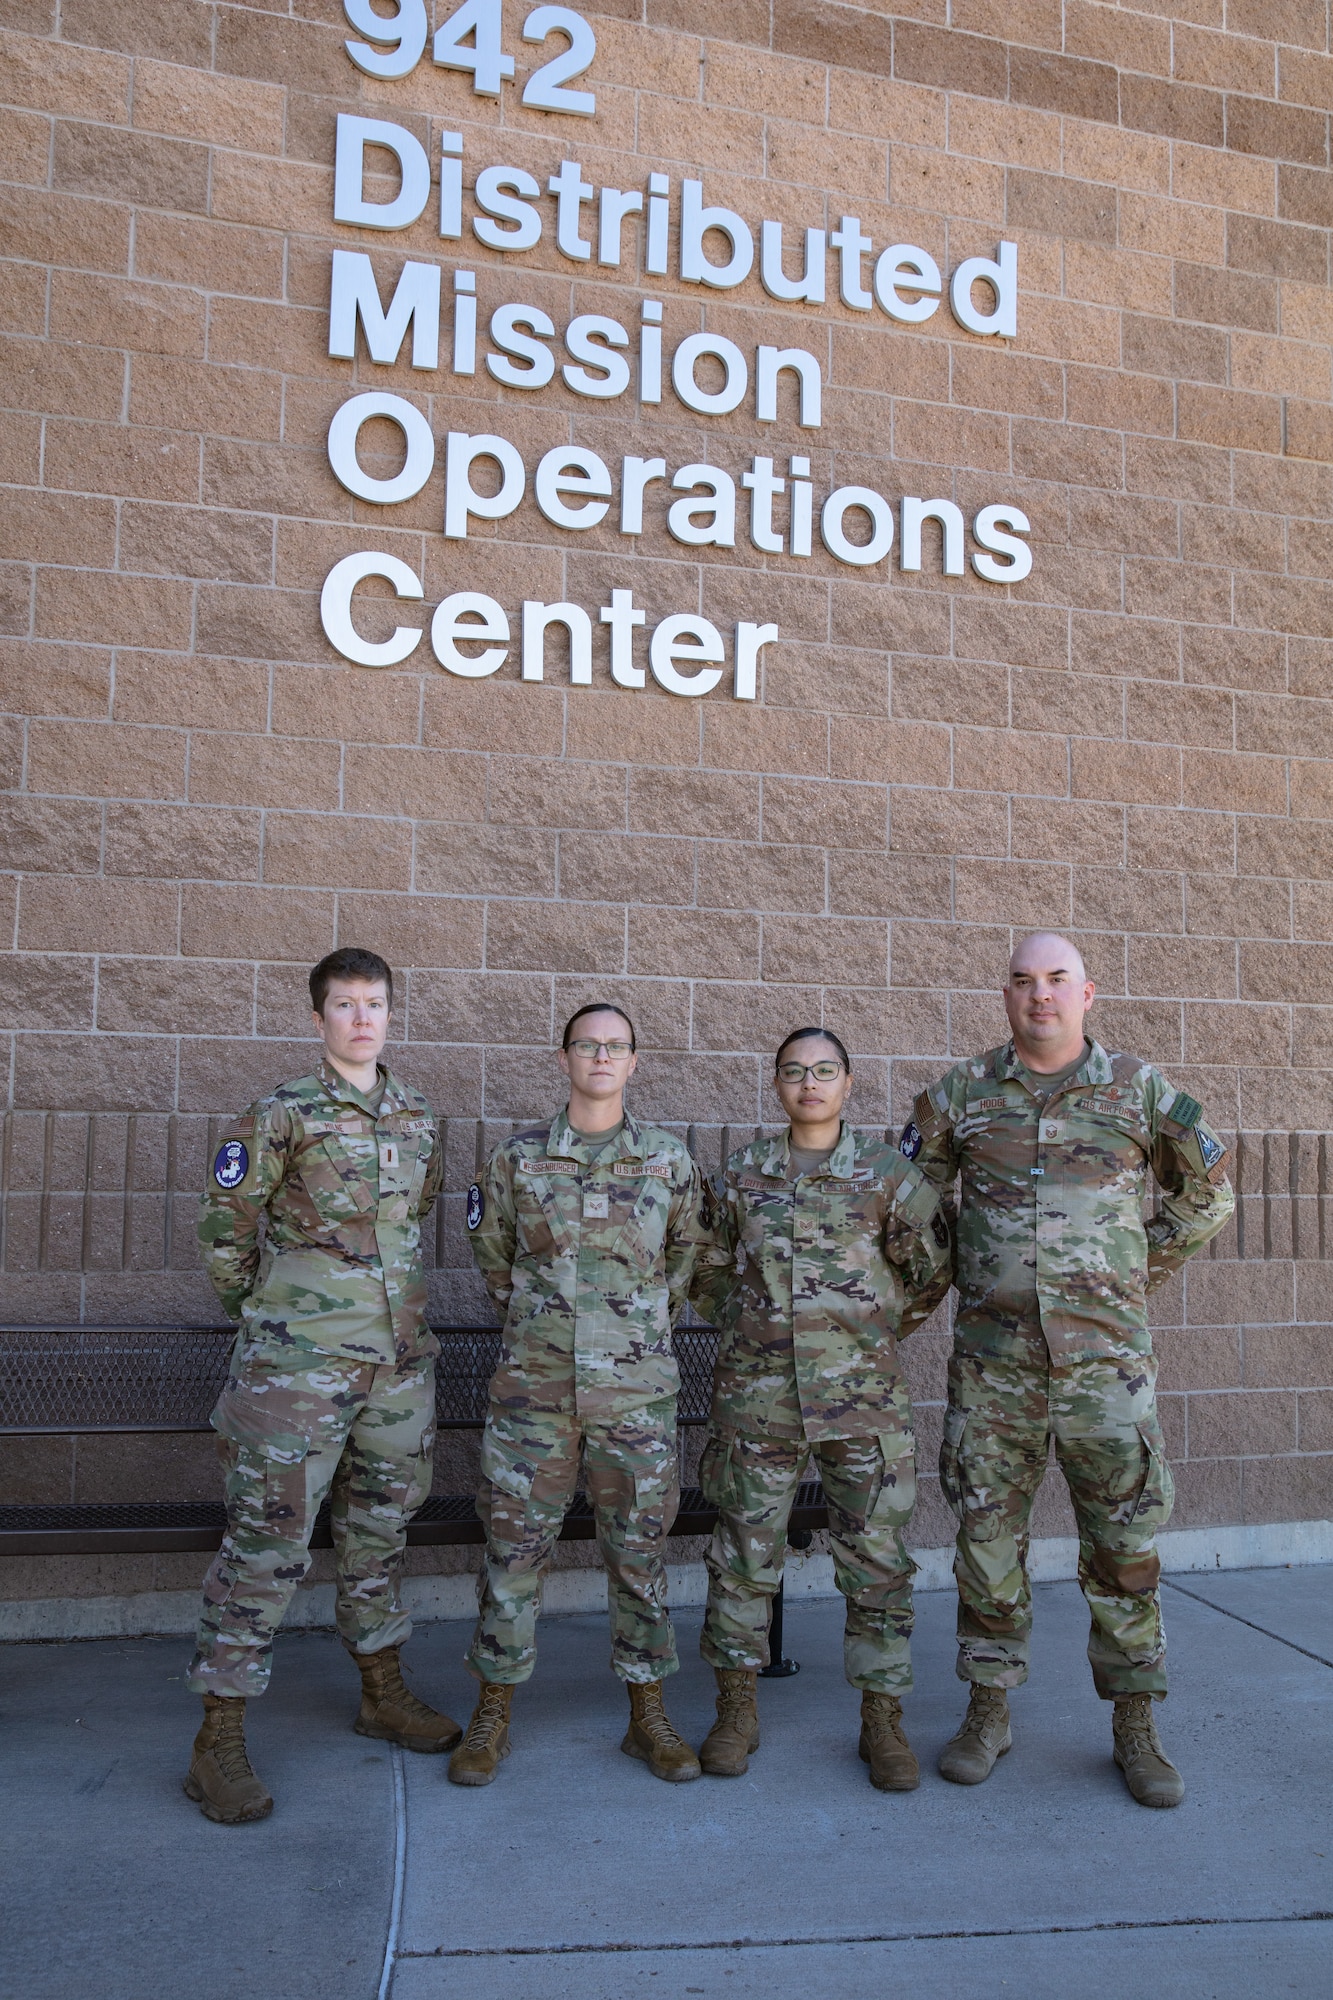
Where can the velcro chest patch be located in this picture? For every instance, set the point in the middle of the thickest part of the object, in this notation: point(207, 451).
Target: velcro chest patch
point(632, 1169)
point(986, 1104)
point(549, 1167)
point(758, 1186)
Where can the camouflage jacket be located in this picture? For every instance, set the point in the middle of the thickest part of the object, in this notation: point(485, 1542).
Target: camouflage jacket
point(1051, 1235)
point(807, 1283)
point(342, 1191)
point(590, 1263)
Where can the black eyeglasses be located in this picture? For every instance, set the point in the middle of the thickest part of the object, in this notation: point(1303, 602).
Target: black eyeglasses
point(822, 1072)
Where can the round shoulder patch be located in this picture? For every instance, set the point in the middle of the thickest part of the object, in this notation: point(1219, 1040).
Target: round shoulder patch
point(476, 1206)
point(231, 1165)
point(909, 1145)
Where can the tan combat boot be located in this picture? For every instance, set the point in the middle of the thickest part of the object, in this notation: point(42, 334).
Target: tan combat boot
point(651, 1738)
point(726, 1749)
point(390, 1710)
point(486, 1744)
point(1151, 1776)
point(969, 1757)
point(893, 1767)
point(220, 1779)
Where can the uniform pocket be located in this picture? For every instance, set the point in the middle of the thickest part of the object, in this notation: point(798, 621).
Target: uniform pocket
point(1157, 1494)
point(895, 1496)
point(951, 1446)
point(717, 1477)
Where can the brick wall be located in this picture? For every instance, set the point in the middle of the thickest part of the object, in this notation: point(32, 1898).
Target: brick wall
point(1136, 743)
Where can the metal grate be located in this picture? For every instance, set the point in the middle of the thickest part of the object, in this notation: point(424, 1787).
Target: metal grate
point(111, 1378)
point(95, 1379)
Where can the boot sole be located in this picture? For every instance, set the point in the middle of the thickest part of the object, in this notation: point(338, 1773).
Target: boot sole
point(631, 1749)
point(1160, 1805)
point(194, 1790)
point(890, 1784)
point(955, 1778)
point(427, 1745)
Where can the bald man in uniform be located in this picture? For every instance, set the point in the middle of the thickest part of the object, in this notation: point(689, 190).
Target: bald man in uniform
point(1053, 1141)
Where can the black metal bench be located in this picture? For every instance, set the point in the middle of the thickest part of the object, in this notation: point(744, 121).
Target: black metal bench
point(89, 1381)
point(98, 1380)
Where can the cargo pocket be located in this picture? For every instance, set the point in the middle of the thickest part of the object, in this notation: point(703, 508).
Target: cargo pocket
point(951, 1484)
point(717, 1476)
point(265, 1457)
point(895, 1495)
point(1157, 1495)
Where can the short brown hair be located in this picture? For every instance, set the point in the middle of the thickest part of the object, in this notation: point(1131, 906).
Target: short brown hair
point(348, 962)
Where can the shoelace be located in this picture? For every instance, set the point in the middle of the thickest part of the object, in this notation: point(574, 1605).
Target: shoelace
point(485, 1724)
point(657, 1723)
point(229, 1754)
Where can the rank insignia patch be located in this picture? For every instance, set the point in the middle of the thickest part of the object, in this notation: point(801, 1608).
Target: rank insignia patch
point(476, 1206)
point(231, 1165)
point(910, 1143)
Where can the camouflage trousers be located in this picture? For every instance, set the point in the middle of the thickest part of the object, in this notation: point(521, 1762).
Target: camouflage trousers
point(870, 1486)
point(288, 1437)
point(1102, 1416)
point(529, 1474)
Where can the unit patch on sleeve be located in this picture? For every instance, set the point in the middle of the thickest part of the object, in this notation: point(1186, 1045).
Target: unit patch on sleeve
point(231, 1165)
point(476, 1206)
point(909, 1145)
point(1211, 1148)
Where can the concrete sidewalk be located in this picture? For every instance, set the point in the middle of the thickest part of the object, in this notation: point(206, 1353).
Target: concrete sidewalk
point(576, 1872)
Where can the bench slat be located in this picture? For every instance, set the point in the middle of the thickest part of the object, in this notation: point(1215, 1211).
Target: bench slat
point(147, 1527)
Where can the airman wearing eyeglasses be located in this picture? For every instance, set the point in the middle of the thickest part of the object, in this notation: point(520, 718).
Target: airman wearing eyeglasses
point(586, 1230)
point(825, 1251)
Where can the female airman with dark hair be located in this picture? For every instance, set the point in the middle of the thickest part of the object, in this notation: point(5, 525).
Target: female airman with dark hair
point(824, 1238)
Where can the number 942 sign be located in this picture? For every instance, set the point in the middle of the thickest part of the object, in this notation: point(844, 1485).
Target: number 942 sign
point(400, 40)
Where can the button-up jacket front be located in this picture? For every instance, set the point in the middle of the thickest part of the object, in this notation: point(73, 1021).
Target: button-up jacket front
point(808, 1281)
point(589, 1260)
point(341, 1190)
point(1051, 1234)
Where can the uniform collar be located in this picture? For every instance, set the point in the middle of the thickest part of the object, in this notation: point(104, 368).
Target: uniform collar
point(1094, 1068)
point(337, 1086)
point(838, 1166)
point(564, 1143)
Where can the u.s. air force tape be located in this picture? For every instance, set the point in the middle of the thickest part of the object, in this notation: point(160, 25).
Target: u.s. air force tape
point(476, 1206)
point(231, 1165)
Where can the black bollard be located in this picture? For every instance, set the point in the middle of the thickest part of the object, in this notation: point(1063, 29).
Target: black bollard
point(780, 1668)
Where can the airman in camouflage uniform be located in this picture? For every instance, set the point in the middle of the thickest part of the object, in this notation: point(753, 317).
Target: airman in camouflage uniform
point(818, 1254)
point(586, 1237)
point(1054, 1266)
point(311, 1235)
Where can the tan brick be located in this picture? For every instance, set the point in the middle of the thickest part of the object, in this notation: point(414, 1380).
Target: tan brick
point(182, 842)
point(106, 760)
point(216, 256)
point(756, 876)
point(803, 949)
point(414, 930)
point(93, 1073)
point(190, 104)
point(558, 937)
point(49, 836)
point(249, 923)
point(45, 527)
point(93, 915)
point(121, 459)
point(369, 853)
point(48, 75)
